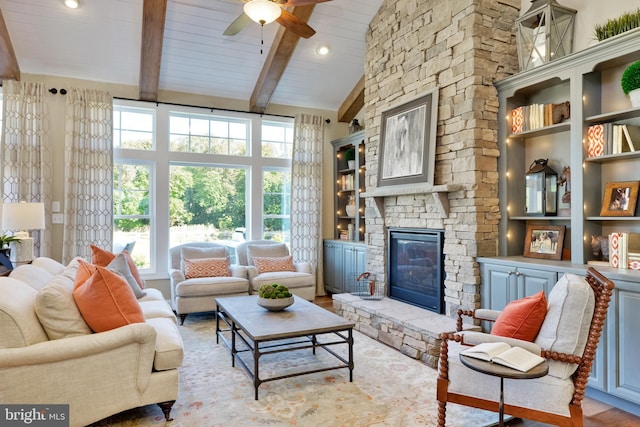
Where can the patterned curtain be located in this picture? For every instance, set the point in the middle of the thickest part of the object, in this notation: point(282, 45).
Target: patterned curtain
point(306, 192)
point(88, 190)
point(26, 152)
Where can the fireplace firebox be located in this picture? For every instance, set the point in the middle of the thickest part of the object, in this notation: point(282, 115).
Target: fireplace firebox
point(415, 267)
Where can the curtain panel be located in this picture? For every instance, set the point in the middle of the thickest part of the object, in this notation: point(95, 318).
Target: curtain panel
point(26, 152)
point(88, 191)
point(306, 192)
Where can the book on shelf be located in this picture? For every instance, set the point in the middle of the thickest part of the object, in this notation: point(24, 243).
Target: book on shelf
point(608, 138)
point(503, 354)
point(534, 116)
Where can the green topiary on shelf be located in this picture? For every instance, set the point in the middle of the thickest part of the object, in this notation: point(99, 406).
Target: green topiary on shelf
point(273, 291)
point(631, 78)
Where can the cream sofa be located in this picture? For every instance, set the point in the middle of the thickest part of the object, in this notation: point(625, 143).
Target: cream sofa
point(48, 354)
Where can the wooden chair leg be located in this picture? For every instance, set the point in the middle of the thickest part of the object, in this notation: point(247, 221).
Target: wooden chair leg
point(166, 409)
point(442, 413)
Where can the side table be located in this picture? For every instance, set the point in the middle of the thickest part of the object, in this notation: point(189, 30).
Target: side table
point(503, 372)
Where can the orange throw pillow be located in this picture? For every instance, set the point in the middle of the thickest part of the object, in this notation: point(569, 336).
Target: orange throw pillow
point(206, 267)
point(522, 318)
point(103, 257)
point(273, 264)
point(106, 300)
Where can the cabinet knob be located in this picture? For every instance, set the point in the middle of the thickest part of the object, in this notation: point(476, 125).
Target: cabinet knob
point(509, 272)
point(517, 273)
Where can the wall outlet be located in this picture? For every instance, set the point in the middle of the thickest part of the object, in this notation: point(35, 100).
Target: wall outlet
point(57, 218)
point(55, 206)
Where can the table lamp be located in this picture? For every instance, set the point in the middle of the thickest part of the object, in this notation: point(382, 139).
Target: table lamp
point(21, 217)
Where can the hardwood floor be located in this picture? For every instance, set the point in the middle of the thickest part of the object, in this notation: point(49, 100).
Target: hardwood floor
point(596, 414)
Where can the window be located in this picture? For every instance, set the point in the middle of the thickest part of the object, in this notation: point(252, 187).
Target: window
point(277, 140)
point(132, 211)
point(276, 192)
point(205, 203)
point(133, 128)
point(184, 175)
point(193, 133)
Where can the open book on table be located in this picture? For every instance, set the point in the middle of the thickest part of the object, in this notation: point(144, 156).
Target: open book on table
point(503, 354)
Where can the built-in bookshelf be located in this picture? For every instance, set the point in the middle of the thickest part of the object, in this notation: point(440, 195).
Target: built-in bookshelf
point(349, 168)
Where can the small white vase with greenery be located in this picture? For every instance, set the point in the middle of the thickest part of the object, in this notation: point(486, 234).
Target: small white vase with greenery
point(630, 83)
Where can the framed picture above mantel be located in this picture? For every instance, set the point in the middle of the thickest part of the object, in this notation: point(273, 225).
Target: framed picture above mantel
point(408, 141)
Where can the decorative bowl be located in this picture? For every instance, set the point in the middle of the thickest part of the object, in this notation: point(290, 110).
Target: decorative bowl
point(278, 304)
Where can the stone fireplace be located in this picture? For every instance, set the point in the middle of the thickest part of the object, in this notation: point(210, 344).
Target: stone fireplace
point(415, 267)
point(461, 48)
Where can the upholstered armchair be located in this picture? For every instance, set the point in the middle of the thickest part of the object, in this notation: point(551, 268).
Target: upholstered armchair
point(567, 339)
point(200, 272)
point(269, 262)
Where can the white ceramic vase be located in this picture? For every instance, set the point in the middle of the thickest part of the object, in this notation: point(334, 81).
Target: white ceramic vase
point(634, 96)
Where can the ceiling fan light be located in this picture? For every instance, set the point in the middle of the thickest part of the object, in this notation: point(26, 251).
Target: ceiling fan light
point(262, 11)
point(72, 4)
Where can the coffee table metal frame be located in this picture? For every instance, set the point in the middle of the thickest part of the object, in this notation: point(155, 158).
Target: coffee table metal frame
point(503, 372)
point(264, 332)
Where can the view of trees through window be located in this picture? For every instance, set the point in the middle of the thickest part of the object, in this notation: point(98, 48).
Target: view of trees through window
point(193, 183)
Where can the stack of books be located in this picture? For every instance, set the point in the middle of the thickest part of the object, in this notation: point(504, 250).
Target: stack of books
point(619, 254)
point(608, 138)
point(535, 116)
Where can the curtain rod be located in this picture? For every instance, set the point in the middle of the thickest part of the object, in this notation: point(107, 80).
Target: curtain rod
point(212, 109)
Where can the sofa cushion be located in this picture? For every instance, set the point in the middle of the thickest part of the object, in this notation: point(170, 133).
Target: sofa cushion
point(121, 266)
point(206, 267)
point(169, 347)
point(152, 309)
point(207, 286)
point(565, 329)
point(272, 264)
point(153, 294)
point(51, 265)
point(32, 275)
point(290, 279)
point(106, 301)
point(18, 321)
point(103, 257)
point(522, 318)
point(266, 251)
point(58, 312)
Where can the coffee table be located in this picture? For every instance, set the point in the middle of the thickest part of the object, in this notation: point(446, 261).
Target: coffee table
point(293, 329)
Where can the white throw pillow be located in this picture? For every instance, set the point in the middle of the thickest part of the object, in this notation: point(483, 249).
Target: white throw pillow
point(565, 329)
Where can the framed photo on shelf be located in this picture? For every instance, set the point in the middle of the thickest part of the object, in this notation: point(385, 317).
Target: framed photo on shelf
point(408, 142)
point(544, 241)
point(620, 199)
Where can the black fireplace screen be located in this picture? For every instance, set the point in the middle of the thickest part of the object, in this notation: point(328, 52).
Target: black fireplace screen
point(415, 267)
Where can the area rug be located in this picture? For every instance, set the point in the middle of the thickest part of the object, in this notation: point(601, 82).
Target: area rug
point(388, 389)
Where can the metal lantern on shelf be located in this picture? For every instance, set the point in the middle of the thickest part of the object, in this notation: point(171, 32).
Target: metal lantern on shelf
point(541, 189)
point(544, 33)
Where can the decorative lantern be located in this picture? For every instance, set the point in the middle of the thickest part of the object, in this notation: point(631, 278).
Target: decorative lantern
point(544, 33)
point(541, 187)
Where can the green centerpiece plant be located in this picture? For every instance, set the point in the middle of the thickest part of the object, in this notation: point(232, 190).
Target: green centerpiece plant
point(274, 291)
point(630, 83)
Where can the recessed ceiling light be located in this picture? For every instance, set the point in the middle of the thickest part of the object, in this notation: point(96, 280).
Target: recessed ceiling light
point(72, 4)
point(322, 50)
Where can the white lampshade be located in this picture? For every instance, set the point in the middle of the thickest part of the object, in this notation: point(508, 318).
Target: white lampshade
point(262, 11)
point(22, 216)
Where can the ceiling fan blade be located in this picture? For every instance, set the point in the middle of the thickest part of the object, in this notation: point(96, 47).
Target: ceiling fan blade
point(238, 25)
point(293, 23)
point(303, 2)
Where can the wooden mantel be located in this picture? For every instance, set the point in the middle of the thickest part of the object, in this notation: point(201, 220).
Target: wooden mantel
point(439, 192)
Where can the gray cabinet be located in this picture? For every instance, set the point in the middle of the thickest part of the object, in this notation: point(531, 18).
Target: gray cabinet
point(343, 261)
point(623, 348)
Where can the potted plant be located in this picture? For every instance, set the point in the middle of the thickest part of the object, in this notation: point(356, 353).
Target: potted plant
point(625, 22)
point(4, 243)
point(274, 297)
point(630, 82)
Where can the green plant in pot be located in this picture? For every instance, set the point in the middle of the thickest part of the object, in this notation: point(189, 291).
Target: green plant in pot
point(4, 243)
point(630, 83)
point(274, 297)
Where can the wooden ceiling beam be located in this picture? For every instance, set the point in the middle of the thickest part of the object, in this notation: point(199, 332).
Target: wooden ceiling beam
point(154, 13)
point(353, 103)
point(279, 55)
point(9, 69)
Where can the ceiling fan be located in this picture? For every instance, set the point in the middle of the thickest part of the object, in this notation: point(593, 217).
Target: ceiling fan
point(266, 11)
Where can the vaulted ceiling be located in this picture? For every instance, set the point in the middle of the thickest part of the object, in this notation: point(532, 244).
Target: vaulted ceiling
point(178, 45)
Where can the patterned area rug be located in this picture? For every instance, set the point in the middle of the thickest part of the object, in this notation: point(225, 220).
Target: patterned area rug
point(388, 389)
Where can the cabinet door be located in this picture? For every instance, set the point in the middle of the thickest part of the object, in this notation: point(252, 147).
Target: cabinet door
point(623, 319)
point(350, 267)
point(498, 286)
point(531, 281)
point(332, 266)
point(360, 253)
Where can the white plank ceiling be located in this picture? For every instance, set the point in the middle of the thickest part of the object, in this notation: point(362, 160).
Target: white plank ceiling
point(101, 41)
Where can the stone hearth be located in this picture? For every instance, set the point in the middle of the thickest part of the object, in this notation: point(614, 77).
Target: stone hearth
point(412, 330)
